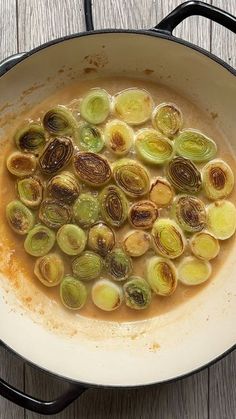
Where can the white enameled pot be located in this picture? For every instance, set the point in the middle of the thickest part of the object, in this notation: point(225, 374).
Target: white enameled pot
point(191, 335)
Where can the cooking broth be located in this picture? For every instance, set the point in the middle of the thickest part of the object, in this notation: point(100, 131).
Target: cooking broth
point(21, 261)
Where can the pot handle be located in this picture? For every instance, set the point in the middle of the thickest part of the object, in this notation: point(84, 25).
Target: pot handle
point(191, 8)
point(42, 407)
point(9, 62)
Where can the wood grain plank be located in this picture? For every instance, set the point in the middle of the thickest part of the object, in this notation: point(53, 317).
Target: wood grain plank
point(185, 399)
point(11, 370)
point(137, 14)
point(223, 40)
point(222, 390)
point(41, 20)
point(8, 28)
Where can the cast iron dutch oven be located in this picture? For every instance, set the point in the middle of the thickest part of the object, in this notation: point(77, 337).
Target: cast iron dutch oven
point(190, 336)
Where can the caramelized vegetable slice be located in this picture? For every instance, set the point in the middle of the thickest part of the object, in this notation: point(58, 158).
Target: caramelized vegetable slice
point(168, 119)
point(162, 276)
point(137, 293)
point(39, 241)
point(114, 205)
point(152, 147)
point(86, 210)
point(64, 187)
point(59, 121)
point(189, 212)
point(89, 138)
point(119, 137)
point(20, 164)
point(54, 213)
point(106, 295)
point(19, 217)
point(131, 177)
point(184, 175)
point(168, 238)
point(92, 168)
point(193, 271)
point(30, 138)
point(73, 293)
point(101, 239)
point(218, 179)
point(161, 192)
point(95, 106)
point(136, 243)
point(30, 191)
point(221, 219)
point(133, 106)
point(142, 214)
point(56, 155)
point(87, 266)
point(119, 264)
point(71, 239)
point(204, 245)
point(195, 146)
point(49, 269)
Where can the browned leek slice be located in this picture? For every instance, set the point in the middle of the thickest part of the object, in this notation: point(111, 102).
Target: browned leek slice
point(184, 175)
point(56, 155)
point(142, 214)
point(92, 168)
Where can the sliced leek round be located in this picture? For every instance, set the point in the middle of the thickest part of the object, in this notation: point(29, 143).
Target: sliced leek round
point(168, 238)
point(95, 106)
point(204, 245)
point(101, 238)
point(142, 214)
point(30, 191)
point(152, 147)
point(64, 187)
point(136, 243)
point(56, 155)
point(87, 266)
point(73, 293)
point(89, 138)
point(193, 271)
point(86, 210)
point(71, 239)
point(189, 212)
point(161, 192)
point(59, 121)
point(184, 175)
point(221, 219)
point(113, 205)
point(162, 276)
point(133, 106)
point(92, 168)
point(118, 264)
point(54, 213)
point(137, 293)
point(49, 269)
point(19, 217)
point(168, 119)
point(106, 295)
point(30, 138)
point(218, 179)
point(119, 137)
point(39, 241)
point(195, 146)
point(20, 164)
point(131, 177)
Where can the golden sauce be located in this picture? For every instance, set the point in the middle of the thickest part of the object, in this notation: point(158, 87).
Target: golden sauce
point(13, 257)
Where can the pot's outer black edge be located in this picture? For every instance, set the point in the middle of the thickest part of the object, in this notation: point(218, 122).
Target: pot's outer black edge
point(159, 34)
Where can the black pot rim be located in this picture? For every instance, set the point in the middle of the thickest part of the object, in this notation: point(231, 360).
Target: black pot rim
point(153, 33)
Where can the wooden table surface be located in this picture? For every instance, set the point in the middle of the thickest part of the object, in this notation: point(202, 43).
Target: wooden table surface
point(210, 394)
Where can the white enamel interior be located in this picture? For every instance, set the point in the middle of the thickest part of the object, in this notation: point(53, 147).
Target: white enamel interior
point(194, 333)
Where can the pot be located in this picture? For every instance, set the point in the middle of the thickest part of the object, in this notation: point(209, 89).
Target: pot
point(190, 336)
